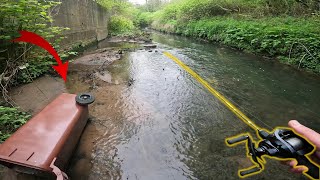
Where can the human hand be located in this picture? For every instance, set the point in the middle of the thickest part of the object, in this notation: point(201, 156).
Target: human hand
point(310, 135)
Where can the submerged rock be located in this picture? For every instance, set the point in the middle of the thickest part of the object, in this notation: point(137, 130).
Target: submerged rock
point(150, 45)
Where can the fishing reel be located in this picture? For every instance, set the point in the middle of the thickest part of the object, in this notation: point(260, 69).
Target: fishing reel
point(283, 144)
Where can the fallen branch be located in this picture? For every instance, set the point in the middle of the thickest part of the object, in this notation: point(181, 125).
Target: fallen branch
point(4, 83)
point(225, 9)
point(301, 60)
point(306, 49)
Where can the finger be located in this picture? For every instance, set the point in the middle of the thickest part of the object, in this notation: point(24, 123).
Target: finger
point(298, 170)
point(285, 163)
point(293, 163)
point(306, 132)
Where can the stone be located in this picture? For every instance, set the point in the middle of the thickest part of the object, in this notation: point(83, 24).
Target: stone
point(150, 46)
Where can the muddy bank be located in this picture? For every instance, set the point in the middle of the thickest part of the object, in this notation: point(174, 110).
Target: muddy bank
point(90, 73)
point(86, 74)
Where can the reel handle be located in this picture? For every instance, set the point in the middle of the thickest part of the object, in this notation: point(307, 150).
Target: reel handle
point(250, 171)
point(313, 170)
point(237, 139)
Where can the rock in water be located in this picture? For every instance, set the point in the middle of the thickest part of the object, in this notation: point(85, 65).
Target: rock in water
point(150, 46)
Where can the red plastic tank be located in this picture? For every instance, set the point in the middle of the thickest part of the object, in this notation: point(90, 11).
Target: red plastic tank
point(44, 145)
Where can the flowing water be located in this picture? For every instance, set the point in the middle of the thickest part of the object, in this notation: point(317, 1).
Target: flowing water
point(152, 120)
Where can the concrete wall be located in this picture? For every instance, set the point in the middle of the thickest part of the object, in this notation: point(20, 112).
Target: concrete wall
point(87, 21)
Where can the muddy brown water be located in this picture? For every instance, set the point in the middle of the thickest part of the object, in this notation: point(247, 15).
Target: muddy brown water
point(152, 120)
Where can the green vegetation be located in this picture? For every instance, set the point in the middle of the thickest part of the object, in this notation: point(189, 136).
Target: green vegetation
point(124, 17)
point(144, 19)
point(21, 62)
point(10, 120)
point(293, 41)
point(285, 29)
point(120, 25)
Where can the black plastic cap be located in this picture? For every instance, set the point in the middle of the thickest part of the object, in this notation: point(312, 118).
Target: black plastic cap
point(85, 99)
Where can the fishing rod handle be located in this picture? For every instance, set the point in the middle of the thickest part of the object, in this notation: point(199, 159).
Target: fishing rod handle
point(313, 170)
point(237, 139)
point(250, 171)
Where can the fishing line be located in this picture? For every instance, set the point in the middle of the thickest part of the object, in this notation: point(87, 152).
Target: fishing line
point(281, 144)
point(247, 111)
point(252, 115)
point(214, 92)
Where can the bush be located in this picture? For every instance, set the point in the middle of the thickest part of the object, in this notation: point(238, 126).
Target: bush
point(188, 10)
point(170, 12)
point(10, 120)
point(32, 70)
point(290, 7)
point(195, 10)
point(120, 25)
point(30, 15)
point(144, 19)
point(124, 17)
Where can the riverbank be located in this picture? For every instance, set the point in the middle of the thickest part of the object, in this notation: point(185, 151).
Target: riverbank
point(29, 99)
point(293, 41)
point(42, 87)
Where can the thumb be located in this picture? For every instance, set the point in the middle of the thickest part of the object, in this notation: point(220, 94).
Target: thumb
point(306, 132)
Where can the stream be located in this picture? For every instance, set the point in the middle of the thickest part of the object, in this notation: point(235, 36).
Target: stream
point(152, 120)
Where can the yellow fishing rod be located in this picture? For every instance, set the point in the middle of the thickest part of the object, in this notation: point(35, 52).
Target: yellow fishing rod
point(225, 101)
point(281, 143)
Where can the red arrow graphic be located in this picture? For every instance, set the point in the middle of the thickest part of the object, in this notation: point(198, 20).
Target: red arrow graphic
point(37, 40)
